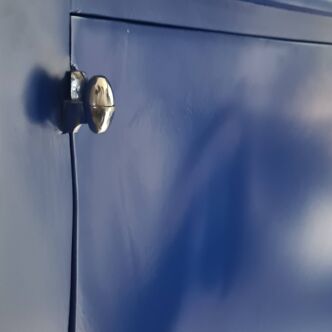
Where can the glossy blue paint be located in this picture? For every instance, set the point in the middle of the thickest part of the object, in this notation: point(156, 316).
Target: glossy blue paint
point(207, 205)
point(35, 168)
point(311, 6)
point(237, 16)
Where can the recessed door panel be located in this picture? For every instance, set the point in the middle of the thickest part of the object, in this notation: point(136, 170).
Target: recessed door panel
point(206, 206)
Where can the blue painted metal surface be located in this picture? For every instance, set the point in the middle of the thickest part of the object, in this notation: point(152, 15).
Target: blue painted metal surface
point(207, 205)
point(313, 6)
point(237, 16)
point(35, 169)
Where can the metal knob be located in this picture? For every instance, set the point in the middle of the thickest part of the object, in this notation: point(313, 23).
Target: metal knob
point(89, 101)
point(100, 106)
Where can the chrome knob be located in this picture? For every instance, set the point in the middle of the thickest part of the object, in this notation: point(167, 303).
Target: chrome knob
point(88, 101)
point(100, 104)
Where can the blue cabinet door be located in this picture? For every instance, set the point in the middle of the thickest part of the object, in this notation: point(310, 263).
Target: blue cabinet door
point(207, 204)
point(35, 168)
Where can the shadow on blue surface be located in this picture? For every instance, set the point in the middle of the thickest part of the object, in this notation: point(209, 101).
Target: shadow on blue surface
point(44, 95)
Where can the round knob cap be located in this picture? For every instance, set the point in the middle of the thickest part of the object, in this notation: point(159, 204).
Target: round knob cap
point(100, 104)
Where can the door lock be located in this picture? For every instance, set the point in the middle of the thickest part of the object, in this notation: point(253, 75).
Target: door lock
point(89, 101)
